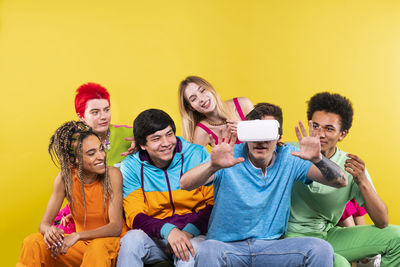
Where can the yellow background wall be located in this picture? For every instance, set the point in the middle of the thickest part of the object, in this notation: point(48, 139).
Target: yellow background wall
point(277, 51)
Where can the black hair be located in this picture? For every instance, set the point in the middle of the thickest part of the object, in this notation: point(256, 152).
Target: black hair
point(149, 122)
point(333, 103)
point(266, 109)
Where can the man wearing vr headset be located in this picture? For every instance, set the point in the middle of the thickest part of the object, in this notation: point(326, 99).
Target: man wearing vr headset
point(316, 208)
point(252, 186)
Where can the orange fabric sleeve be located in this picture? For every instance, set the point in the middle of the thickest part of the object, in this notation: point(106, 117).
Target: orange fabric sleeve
point(133, 205)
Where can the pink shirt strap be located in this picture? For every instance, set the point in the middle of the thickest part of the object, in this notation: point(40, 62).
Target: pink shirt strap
point(205, 128)
point(239, 108)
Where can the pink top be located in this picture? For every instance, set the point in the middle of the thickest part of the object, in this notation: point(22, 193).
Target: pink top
point(208, 130)
point(353, 209)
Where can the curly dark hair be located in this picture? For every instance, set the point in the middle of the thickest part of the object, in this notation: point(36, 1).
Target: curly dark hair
point(333, 103)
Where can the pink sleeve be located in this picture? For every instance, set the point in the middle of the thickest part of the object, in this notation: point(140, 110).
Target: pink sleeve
point(352, 209)
point(349, 210)
point(360, 211)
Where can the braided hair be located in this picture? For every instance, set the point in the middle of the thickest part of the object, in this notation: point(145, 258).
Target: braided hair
point(65, 148)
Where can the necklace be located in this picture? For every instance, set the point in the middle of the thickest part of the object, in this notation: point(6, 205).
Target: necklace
point(222, 122)
point(107, 142)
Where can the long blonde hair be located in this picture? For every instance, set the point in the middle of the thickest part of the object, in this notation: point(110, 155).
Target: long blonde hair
point(191, 117)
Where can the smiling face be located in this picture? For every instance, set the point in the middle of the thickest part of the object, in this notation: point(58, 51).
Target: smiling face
point(331, 133)
point(260, 153)
point(199, 98)
point(97, 115)
point(160, 146)
point(93, 156)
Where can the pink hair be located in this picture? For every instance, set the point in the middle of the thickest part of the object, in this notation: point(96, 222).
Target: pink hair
point(88, 92)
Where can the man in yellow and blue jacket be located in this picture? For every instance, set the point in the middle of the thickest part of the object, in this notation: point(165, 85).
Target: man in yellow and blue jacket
point(166, 221)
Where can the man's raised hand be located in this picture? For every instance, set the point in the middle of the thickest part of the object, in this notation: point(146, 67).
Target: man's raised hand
point(222, 153)
point(310, 146)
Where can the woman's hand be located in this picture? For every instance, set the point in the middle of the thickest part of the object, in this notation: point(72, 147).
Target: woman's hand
point(232, 125)
point(65, 220)
point(69, 241)
point(53, 236)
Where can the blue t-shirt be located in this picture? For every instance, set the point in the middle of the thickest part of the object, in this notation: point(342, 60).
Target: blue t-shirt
point(249, 204)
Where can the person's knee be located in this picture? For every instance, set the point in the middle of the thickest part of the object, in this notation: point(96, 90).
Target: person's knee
point(394, 231)
point(208, 249)
point(134, 240)
point(105, 245)
point(32, 239)
point(394, 235)
point(197, 241)
point(320, 248)
point(340, 261)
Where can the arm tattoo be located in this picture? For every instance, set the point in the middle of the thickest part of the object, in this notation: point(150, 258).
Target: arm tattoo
point(331, 171)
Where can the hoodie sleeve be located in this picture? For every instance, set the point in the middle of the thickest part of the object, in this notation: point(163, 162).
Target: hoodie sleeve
point(135, 208)
point(198, 223)
point(135, 205)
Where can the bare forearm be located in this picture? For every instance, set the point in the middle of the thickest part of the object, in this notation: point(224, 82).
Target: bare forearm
point(375, 207)
point(198, 176)
point(108, 230)
point(332, 173)
point(43, 227)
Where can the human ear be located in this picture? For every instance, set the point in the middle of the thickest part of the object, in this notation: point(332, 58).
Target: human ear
point(343, 134)
point(81, 118)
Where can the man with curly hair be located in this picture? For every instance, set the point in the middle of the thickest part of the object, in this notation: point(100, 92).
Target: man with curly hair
point(316, 208)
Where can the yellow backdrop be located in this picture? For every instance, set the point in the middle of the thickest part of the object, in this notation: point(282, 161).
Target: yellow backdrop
point(277, 51)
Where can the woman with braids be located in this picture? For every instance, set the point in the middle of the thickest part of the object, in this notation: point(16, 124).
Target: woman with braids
point(94, 195)
point(92, 105)
point(203, 112)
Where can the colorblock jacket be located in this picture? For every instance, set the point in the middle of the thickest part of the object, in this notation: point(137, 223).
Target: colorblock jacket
point(153, 199)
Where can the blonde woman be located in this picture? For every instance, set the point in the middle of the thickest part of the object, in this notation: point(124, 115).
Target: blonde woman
point(203, 112)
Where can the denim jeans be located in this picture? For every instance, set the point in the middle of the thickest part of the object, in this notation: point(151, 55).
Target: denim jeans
point(137, 248)
point(292, 252)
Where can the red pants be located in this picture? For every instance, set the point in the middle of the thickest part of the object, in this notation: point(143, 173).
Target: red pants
point(96, 252)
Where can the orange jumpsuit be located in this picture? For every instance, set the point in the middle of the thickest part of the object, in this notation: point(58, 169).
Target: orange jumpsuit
point(95, 252)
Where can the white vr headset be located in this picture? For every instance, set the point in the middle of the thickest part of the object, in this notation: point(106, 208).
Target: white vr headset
point(258, 130)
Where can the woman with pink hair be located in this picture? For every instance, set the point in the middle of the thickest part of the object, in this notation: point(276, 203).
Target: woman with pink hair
point(92, 105)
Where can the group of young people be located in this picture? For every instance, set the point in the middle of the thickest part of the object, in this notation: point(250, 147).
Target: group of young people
point(159, 199)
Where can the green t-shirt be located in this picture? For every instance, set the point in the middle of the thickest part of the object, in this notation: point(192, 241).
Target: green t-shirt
point(316, 208)
point(118, 144)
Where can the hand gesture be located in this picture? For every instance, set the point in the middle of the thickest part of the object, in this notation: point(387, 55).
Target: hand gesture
point(65, 220)
point(222, 153)
point(53, 237)
point(69, 241)
point(54, 251)
point(179, 241)
point(310, 146)
point(356, 167)
point(232, 125)
point(132, 149)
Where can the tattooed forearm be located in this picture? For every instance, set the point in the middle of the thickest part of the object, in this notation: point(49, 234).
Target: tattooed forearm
point(332, 172)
